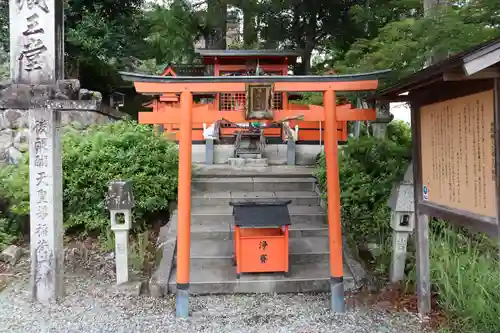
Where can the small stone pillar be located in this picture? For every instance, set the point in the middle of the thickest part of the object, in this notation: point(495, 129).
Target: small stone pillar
point(120, 200)
point(384, 117)
point(402, 222)
point(209, 151)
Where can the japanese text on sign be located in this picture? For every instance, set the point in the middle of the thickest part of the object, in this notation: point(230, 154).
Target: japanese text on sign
point(458, 153)
point(262, 247)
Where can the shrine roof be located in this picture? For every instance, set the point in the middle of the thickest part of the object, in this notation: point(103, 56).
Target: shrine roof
point(464, 64)
point(249, 53)
point(187, 69)
point(138, 77)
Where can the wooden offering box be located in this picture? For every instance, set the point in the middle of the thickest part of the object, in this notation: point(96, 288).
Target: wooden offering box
point(261, 236)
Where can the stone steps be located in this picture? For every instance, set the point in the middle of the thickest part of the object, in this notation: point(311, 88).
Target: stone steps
point(272, 171)
point(211, 260)
point(298, 214)
point(217, 229)
point(307, 277)
point(219, 253)
point(253, 184)
point(222, 198)
point(248, 161)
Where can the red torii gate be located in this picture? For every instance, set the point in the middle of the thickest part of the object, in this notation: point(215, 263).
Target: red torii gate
point(187, 113)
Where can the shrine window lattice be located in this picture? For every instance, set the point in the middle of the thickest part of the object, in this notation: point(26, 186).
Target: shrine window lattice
point(236, 101)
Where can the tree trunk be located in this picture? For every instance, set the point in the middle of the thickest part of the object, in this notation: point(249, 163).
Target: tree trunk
point(306, 62)
point(310, 42)
point(430, 4)
point(217, 23)
point(429, 7)
point(249, 29)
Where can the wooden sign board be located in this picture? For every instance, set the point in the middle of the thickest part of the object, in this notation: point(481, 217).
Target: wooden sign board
point(458, 153)
point(259, 98)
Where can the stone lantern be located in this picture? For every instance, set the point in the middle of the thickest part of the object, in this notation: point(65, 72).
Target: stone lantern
point(384, 117)
point(401, 202)
point(120, 201)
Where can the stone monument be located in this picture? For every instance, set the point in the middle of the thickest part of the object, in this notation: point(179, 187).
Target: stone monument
point(37, 85)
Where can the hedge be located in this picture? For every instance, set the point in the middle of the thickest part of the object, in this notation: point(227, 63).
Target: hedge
point(92, 158)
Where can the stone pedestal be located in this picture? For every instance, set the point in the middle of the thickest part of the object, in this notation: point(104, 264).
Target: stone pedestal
point(121, 255)
point(398, 265)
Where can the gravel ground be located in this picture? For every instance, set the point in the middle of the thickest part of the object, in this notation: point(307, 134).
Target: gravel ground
point(93, 304)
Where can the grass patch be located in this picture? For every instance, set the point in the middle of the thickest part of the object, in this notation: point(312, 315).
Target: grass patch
point(464, 273)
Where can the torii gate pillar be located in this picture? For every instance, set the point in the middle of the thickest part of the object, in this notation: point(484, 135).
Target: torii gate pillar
point(333, 189)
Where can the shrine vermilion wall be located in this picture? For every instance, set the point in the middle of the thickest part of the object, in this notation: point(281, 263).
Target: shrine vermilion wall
point(458, 153)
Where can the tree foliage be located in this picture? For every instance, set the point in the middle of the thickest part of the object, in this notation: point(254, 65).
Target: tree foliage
point(307, 25)
point(105, 36)
point(4, 25)
point(172, 32)
point(405, 45)
point(4, 65)
point(121, 150)
point(101, 38)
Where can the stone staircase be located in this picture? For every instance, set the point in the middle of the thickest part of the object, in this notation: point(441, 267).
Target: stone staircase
point(212, 269)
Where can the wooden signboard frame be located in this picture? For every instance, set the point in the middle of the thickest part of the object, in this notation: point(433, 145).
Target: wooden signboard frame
point(259, 101)
point(455, 117)
point(476, 211)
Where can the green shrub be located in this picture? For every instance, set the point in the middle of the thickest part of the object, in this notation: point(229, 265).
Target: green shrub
point(91, 159)
point(399, 132)
point(11, 225)
point(368, 168)
point(7, 236)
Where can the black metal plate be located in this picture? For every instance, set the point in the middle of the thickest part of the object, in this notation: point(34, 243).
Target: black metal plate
point(253, 214)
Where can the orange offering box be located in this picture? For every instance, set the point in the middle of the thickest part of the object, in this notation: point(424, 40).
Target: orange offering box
point(261, 236)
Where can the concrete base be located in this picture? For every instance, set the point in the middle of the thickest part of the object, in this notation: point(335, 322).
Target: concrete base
point(337, 292)
point(182, 303)
point(277, 154)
